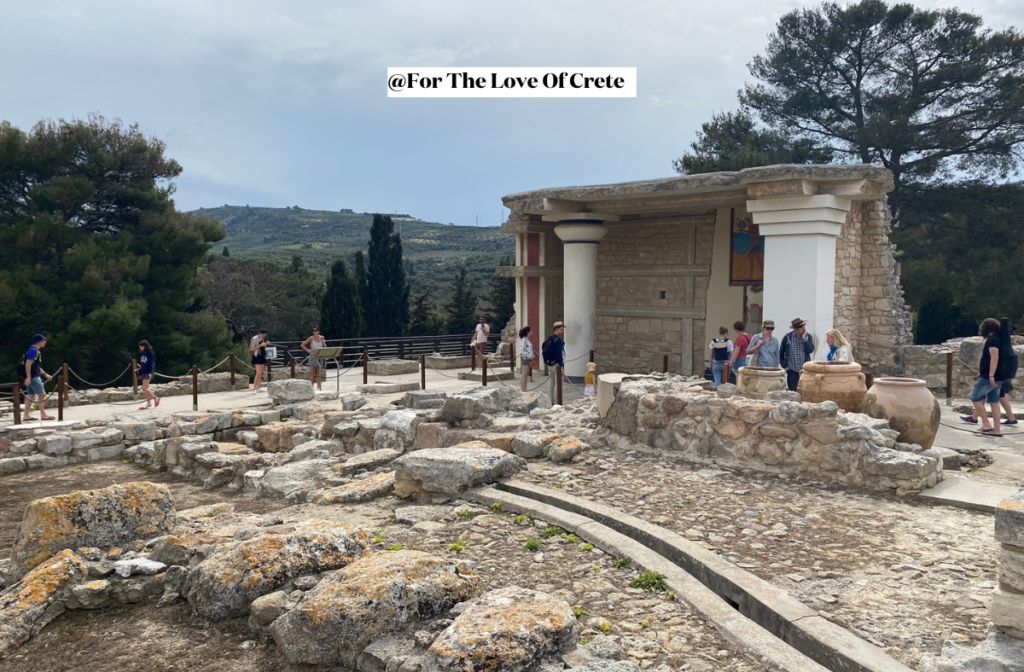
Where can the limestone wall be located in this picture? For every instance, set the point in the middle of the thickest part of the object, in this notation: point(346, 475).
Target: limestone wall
point(928, 362)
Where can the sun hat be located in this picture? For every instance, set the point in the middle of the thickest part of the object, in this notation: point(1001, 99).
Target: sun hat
point(797, 323)
point(768, 323)
point(556, 325)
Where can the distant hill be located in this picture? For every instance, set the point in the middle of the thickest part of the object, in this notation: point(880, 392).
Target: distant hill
point(432, 251)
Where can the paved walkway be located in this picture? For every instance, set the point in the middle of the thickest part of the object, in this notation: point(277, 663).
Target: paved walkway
point(1007, 452)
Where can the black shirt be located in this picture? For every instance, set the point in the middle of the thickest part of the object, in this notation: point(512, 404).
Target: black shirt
point(986, 357)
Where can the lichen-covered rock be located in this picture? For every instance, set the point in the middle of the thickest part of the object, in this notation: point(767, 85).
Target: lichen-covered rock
point(290, 391)
point(563, 450)
point(277, 436)
point(28, 605)
point(396, 431)
point(532, 444)
point(478, 401)
point(103, 518)
point(435, 475)
point(296, 480)
point(225, 584)
point(508, 629)
point(371, 597)
point(360, 490)
point(370, 460)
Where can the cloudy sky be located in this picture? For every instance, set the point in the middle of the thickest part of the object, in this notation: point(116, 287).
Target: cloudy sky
point(284, 103)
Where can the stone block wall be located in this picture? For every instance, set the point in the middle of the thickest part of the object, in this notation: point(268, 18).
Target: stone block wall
point(1007, 611)
point(928, 362)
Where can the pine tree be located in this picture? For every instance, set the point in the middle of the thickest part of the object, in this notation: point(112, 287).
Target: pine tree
point(461, 306)
point(502, 298)
point(339, 310)
point(423, 319)
point(386, 308)
point(361, 289)
point(224, 252)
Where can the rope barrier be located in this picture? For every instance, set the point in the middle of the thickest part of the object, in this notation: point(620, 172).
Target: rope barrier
point(126, 370)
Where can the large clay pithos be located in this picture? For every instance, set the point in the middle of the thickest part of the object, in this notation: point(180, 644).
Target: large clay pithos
point(841, 382)
point(908, 406)
point(754, 382)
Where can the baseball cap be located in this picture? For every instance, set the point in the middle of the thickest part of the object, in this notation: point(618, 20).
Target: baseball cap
point(37, 338)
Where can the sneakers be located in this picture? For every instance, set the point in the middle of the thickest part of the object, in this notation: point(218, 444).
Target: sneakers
point(1009, 422)
point(261, 389)
point(256, 391)
point(970, 419)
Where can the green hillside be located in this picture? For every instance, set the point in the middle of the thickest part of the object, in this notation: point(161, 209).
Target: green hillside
point(432, 251)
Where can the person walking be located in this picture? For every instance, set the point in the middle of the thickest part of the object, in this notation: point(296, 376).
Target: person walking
point(795, 350)
point(739, 351)
point(765, 346)
point(34, 374)
point(147, 367)
point(991, 368)
point(258, 349)
point(721, 348)
point(310, 346)
point(526, 356)
point(839, 349)
point(480, 336)
point(553, 352)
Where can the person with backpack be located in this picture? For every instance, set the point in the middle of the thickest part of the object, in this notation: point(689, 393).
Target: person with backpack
point(34, 375)
point(147, 367)
point(553, 352)
point(992, 370)
point(1007, 386)
point(721, 348)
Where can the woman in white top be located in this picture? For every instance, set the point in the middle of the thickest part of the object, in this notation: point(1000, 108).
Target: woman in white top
point(721, 348)
point(310, 346)
point(840, 349)
point(526, 356)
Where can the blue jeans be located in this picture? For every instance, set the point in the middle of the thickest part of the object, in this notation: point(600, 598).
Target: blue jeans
point(983, 391)
point(716, 369)
point(740, 361)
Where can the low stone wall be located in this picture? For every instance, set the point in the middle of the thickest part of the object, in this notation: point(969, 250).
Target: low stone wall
point(1008, 600)
point(774, 436)
point(392, 367)
point(209, 382)
point(928, 362)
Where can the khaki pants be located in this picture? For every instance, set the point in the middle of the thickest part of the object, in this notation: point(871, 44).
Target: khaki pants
point(553, 373)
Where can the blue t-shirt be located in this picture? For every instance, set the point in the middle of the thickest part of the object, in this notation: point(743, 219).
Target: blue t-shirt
point(33, 356)
point(147, 362)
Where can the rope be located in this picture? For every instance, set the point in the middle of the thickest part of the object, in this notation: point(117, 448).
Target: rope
point(443, 374)
point(209, 370)
point(971, 431)
point(126, 370)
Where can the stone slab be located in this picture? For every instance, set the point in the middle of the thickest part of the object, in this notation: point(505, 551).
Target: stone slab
point(965, 493)
point(493, 375)
point(387, 388)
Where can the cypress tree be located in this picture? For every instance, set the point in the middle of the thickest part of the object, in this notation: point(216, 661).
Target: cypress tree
point(361, 289)
point(423, 320)
point(461, 306)
point(339, 310)
point(386, 308)
point(502, 298)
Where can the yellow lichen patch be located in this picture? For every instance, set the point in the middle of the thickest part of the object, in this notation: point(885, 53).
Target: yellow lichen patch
point(372, 487)
point(472, 444)
point(24, 603)
point(102, 518)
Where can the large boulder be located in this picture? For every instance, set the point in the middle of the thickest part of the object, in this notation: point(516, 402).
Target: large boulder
point(372, 597)
point(277, 436)
point(224, 585)
point(28, 605)
point(112, 516)
point(359, 490)
point(294, 481)
point(473, 403)
point(396, 431)
point(509, 629)
point(290, 391)
point(436, 475)
point(532, 444)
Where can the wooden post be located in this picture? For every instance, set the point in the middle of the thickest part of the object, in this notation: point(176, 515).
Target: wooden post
point(270, 370)
point(591, 356)
point(401, 350)
point(949, 379)
point(65, 374)
point(483, 370)
point(512, 358)
point(558, 372)
point(423, 372)
point(60, 398)
point(16, 397)
point(725, 373)
point(366, 366)
point(232, 370)
point(135, 382)
point(320, 374)
point(292, 362)
point(664, 364)
point(472, 359)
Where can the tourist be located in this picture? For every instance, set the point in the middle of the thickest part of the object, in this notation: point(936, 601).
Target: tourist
point(839, 349)
point(740, 345)
point(480, 336)
point(34, 375)
point(258, 349)
point(310, 346)
point(1010, 372)
point(794, 351)
point(721, 348)
point(764, 347)
point(147, 367)
point(990, 378)
point(526, 356)
point(553, 352)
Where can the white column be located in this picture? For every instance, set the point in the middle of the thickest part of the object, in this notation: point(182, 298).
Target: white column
point(579, 239)
point(800, 260)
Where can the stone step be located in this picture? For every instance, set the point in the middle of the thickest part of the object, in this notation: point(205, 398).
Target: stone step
point(492, 374)
point(967, 493)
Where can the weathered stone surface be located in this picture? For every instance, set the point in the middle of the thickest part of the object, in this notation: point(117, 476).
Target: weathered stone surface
point(103, 518)
point(473, 403)
point(439, 474)
point(419, 399)
point(296, 480)
point(532, 444)
point(608, 666)
point(455, 437)
point(1010, 520)
point(55, 444)
point(499, 440)
point(353, 401)
point(373, 596)
point(367, 461)
point(141, 566)
point(998, 653)
point(224, 585)
point(392, 367)
point(509, 630)
point(290, 391)
point(563, 450)
point(397, 431)
point(266, 609)
point(136, 431)
point(277, 436)
point(528, 401)
point(28, 605)
point(410, 515)
point(91, 595)
point(359, 490)
point(171, 551)
point(12, 465)
point(1007, 610)
point(430, 435)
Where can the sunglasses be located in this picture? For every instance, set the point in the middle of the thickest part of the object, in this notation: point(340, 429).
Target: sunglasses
point(769, 328)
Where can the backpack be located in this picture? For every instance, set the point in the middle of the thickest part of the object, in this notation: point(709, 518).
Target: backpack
point(1011, 366)
point(549, 351)
point(24, 360)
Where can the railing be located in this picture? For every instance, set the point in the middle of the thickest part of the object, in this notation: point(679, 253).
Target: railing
point(405, 347)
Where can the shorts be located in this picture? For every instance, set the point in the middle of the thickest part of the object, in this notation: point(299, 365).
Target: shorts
point(35, 386)
point(1005, 388)
point(145, 376)
point(314, 363)
point(983, 391)
point(525, 362)
point(259, 359)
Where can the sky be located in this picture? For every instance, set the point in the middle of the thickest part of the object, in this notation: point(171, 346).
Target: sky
point(277, 104)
